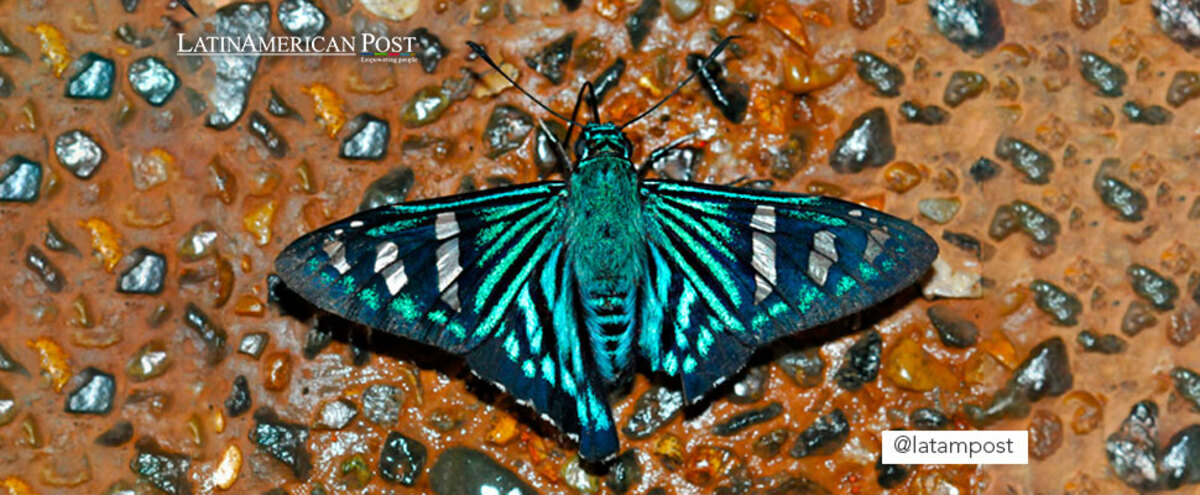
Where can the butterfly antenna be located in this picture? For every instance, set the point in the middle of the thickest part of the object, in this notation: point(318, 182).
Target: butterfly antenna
point(710, 59)
point(187, 7)
point(483, 54)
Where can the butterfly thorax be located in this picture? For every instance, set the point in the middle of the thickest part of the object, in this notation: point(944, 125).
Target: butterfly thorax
point(605, 243)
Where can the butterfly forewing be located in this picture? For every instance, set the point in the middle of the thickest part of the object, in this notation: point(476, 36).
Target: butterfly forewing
point(480, 275)
point(749, 267)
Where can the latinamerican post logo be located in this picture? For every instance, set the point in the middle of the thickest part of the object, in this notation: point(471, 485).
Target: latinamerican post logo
point(368, 47)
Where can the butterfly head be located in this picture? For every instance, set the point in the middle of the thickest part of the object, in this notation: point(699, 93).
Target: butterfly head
point(603, 140)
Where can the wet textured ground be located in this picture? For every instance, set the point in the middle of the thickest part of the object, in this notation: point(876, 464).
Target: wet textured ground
point(1049, 146)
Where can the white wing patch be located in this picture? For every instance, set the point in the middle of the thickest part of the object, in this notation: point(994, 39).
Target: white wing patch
point(822, 256)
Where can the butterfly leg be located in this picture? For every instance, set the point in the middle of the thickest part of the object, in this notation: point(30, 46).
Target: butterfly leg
point(661, 153)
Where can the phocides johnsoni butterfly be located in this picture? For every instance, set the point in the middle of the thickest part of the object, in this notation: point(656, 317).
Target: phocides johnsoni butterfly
point(554, 290)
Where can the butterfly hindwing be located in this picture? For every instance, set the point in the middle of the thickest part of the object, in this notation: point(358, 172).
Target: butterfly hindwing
point(480, 275)
point(737, 269)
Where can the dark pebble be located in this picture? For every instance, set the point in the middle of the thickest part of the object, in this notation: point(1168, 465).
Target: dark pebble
point(95, 393)
point(146, 273)
point(889, 475)
point(402, 459)
point(93, 79)
point(751, 388)
point(212, 335)
point(984, 169)
point(79, 153)
point(239, 400)
point(1054, 301)
point(1046, 372)
point(8, 406)
point(790, 158)
point(1180, 461)
point(262, 130)
point(390, 189)
point(506, 129)
point(914, 113)
point(657, 407)
point(282, 440)
point(1132, 450)
point(234, 73)
point(1185, 87)
point(318, 338)
point(968, 243)
point(10, 49)
point(768, 445)
point(1139, 113)
point(279, 107)
point(928, 418)
point(368, 139)
point(381, 404)
point(545, 155)
point(8, 364)
point(335, 415)
point(641, 20)
point(45, 270)
point(55, 241)
point(867, 143)
point(1138, 316)
point(20, 180)
point(866, 13)
point(954, 330)
point(1037, 224)
point(151, 79)
point(1033, 163)
point(1179, 20)
point(861, 365)
point(746, 419)
point(881, 75)
point(6, 84)
point(1187, 385)
point(624, 473)
point(254, 343)
point(1108, 78)
point(430, 50)
point(1086, 14)
point(1103, 344)
point(974, 25)
point(302, 18)
point(806, 368)
point(1156, 289)
point(964, 85)
point(730, 98)
point(608, 79)
point(824, 437)
point(1127, 201)
point(572, 5)
point(679, 163)
point(164, 470)
point(117, 435)
point(463, 471)
point(552, 60)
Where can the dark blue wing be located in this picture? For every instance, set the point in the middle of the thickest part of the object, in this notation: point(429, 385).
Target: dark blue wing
point(480, 275)
point(734, 269)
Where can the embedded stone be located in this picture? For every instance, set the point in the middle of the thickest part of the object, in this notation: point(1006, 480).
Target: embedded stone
point(79, 153)
point(93, 79)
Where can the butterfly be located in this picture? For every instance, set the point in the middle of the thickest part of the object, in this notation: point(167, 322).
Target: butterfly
point(554, 290)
